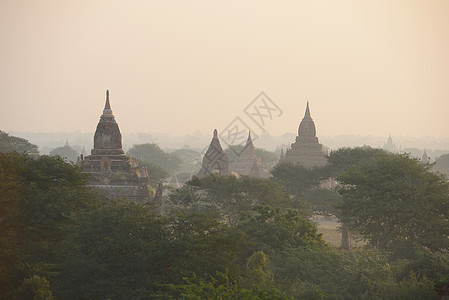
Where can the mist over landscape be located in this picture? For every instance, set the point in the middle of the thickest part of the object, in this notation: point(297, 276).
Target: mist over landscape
point(224, 150)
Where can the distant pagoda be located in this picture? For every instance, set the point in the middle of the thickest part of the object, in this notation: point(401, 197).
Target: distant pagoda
point(109, 167)
point(306, 150)
point(247, 163)
point(215, 160)
point(390, 146)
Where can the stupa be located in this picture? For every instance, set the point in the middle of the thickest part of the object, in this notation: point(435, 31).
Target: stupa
point(108, 166)
point(306, 150)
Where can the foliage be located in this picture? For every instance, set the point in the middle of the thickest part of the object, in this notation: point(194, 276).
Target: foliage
point(344, 159)
point(117, 251)
point(66, 152)
point(222, 287)
point(396, 203)
point(272, 229)
point(60, 240)
point(202, 244)
point(16, 144)
point(155, 155)
point(322, 201)
point(38, 198)
point(296, 178)
point(442, 164)
point(155, 173)
point(232, 194)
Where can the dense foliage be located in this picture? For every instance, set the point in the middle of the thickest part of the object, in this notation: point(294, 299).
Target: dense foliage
point(10, 143)
point(220, 237)
point(67, 153)
point(397, 203)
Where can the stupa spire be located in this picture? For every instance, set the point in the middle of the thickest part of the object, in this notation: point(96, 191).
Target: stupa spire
point(307, 114)
point(107, 105)
point(107, 111)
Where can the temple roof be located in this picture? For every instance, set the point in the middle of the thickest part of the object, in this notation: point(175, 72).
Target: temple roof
point(307, 126)
point(215, 160)
point(107, 138)
point(249, 149)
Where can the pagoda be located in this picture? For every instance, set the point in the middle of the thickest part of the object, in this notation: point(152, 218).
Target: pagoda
point(108, 166)
point(215, 160)
point(306, 150)
point(247, 163)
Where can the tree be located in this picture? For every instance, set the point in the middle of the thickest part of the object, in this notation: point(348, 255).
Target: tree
point(442, 164)
point(155, 173)
point(273, 229)
point(344, 159)
point(296, 178)
point(16, 144)
point(67, 153)
point(322, 201)
point(155, 155)
point(232, 194)
point(117, 250)
point(396, 203)
point(39, 197)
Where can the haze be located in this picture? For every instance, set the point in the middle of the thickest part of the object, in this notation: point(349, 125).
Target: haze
point(366, 67)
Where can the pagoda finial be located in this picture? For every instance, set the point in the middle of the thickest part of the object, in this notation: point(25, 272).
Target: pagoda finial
point(249, 135)
point(107, 105)
point(307, 110)
point(215, 133)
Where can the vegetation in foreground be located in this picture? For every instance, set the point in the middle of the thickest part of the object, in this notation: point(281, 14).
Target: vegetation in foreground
point(225, 237)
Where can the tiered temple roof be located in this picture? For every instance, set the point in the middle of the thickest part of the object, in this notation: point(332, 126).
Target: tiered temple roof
point(108, 166)
point(247, 163)
point(306, 150)
point(215, 160)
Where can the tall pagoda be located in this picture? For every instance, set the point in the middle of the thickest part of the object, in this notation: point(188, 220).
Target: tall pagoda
point(306, 150)
point(108, 166)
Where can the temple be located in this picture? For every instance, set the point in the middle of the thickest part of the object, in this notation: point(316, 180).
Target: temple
point(215, 160)
point(390, 146)
point(305, 151)
point(247, 163)
point(108, 166)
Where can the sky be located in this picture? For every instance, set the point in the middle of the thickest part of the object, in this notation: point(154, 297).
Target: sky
point(366, 67)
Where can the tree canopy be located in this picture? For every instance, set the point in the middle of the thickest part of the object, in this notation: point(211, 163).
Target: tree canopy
point(155, 155)
point(396, 203)
point(10, 143)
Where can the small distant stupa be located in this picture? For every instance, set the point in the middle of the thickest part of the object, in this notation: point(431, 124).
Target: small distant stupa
point(390, 146)
point(108, 166)
point(425, 158)
point(306, 150)
point(247, 163)
point(215, 160)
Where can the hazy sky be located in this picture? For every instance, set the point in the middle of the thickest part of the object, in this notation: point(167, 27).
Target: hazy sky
point(366, 67)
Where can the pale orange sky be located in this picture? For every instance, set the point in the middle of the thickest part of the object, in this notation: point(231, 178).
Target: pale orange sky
point(366, 67)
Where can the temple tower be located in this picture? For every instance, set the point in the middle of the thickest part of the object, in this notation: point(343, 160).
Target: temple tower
point(306, 150)
point(108, 166)
point(215, 160)
point(247, 163)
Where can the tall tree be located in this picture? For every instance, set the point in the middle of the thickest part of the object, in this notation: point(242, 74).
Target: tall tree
point(396, 203)
point(296, 178)
point(10, 143)
point(38, 197)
